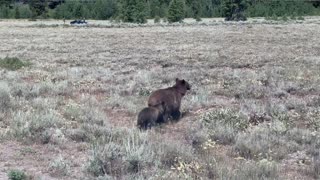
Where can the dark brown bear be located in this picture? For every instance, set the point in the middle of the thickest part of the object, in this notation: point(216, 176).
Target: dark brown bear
point(171, 97)
point(150, 116)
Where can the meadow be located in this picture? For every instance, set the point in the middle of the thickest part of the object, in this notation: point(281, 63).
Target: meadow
point(69, 99)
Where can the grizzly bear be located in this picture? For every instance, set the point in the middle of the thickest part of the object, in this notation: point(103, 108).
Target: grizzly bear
point(171, 97)
point(150, 116)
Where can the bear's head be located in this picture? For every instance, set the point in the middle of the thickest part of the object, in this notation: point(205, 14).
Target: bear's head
point(182, 86)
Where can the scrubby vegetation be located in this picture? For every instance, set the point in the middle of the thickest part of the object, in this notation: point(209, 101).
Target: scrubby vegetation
point(17, 175)
point(252, 111)
point(12, 63)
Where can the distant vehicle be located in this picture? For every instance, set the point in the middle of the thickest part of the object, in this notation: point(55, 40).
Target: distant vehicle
point(78, 21)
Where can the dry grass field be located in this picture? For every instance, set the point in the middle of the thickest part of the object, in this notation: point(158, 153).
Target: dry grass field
point(253, 111)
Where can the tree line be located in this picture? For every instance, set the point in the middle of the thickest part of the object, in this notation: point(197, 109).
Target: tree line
point(139, 10)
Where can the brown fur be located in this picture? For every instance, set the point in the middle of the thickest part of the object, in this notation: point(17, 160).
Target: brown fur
point(171, 97)
point(150, 116)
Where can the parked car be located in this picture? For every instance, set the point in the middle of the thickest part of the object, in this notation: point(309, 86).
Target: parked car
point(78, 21)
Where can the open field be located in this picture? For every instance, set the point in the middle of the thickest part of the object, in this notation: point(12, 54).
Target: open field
point(253, 111)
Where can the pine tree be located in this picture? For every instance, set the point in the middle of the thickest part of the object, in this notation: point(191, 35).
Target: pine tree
point(38, 7)
point(176, 11)
point(105, 9)
point(234, 10)
point(16, 13)
point(196, 8)
point(78, 11)
point(140, 13)
point(133, 11)
point(6, 2)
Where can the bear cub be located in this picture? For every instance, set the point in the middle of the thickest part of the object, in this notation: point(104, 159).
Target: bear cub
point(150, 116)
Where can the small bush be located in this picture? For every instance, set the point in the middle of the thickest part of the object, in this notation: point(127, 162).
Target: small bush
point(157, 19)
point(227, 116)
point(223, 125)
point(198, 19)
point(84, 114)
point(313, 117)
point(301, 136)
point(5, 100)
point(263, 169)
point(284, 18)
point(59, 167)
point(274, 17)
point(315, 170)
point(265, 141)
point(17, 175)
point(34, 125)
point(12, 63)
point(293, 16)
point(129, 153)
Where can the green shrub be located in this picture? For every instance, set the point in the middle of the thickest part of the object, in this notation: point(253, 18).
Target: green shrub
point(157, 19)
point(227, 116)
point(224, 124)
point(12, 63)
point(293, 16)
point(274, 17)
point(284, 18)
point(17, 175)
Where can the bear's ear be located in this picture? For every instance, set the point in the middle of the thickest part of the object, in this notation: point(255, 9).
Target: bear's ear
point(183, 81)
point(177, 80)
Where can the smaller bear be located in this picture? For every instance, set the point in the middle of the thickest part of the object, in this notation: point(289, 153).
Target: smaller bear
point(150, 116)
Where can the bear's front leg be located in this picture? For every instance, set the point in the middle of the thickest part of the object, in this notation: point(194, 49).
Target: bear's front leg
point(176, 115)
